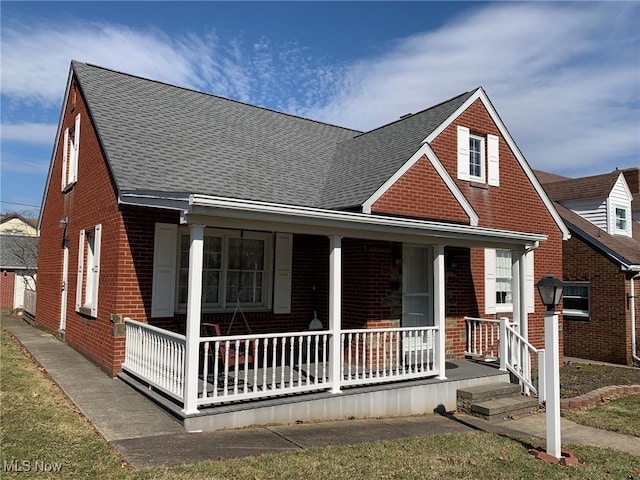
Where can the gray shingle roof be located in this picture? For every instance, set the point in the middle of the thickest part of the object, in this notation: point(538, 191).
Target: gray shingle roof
point(362, 164)
point(162, 138)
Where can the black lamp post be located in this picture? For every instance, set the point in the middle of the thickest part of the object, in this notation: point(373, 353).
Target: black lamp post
point(550, 290)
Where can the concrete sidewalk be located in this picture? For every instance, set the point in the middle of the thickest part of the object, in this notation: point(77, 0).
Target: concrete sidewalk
point(146, 436)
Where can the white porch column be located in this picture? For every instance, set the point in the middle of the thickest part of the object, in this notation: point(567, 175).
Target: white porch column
point(335, 311)
point(439, 312)
point(519, 302)
point(194, 299)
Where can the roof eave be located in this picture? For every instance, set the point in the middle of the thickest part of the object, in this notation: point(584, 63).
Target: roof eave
point(624, 264)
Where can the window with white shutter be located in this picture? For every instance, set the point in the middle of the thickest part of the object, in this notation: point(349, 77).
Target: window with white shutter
point(499, 281)
point(88, 278)
point(478, 157)
point(70, 154)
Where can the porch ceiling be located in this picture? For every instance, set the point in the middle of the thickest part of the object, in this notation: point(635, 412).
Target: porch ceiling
point(251, 215)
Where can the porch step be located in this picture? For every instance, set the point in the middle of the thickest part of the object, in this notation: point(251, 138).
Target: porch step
point(498, 408)
point(495, 401)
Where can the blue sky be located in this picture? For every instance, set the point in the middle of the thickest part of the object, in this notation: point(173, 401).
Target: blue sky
point(565, 77)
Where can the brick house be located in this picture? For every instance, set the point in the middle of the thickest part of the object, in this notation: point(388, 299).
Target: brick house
point(169, 212)
point(601, 263)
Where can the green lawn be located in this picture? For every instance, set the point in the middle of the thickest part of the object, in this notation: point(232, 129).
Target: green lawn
point(621, 415)
point(38, 423)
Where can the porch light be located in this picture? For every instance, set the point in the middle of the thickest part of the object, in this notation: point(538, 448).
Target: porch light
point(550, 290)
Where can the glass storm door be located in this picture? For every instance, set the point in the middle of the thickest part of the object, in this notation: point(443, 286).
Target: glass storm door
point(417, 309)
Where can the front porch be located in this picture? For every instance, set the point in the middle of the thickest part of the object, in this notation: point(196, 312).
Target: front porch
point(290, 379)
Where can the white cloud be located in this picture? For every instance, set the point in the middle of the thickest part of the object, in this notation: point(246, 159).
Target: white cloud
point(566, 87)
point(12, 163)
point(35, 133)
point(564, 77)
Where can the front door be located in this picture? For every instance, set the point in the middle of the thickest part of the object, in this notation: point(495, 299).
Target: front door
point(417, 305)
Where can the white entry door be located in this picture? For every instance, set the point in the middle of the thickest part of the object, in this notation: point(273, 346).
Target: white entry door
point(417, 305)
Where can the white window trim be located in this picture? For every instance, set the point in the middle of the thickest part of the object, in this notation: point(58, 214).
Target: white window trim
point(222, 305)
point(627, 211)
point(489, 157)
point(70, 156)
point(503, 307)
point(483, 159)
point(88, 278)
point(568, 312)
point(491, 304)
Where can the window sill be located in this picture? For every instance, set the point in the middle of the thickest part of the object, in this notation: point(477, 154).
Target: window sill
point(478, 184)
point(69, 187)
point(576, 316)
point(85, 311)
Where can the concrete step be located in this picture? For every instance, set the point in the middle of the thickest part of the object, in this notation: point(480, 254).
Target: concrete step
point(488, 391)
point(498, 408)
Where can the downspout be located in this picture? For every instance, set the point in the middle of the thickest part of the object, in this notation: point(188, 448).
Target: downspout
point(632, 299)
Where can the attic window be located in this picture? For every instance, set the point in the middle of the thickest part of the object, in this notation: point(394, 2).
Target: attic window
point(621, 220)
point(478, 157)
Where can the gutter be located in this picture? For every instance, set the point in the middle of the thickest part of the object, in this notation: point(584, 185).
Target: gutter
point(360, 221)
point(294, 217)
point(632, 299)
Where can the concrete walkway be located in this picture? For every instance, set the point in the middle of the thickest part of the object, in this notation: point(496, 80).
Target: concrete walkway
point(146, 436)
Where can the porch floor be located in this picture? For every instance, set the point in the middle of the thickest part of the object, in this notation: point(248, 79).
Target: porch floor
point(383, 399)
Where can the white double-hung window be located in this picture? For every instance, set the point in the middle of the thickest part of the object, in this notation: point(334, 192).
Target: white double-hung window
point(575, 300)
point(238, 268)
point(478, 157)
point(235, 269)
point(70, 152)
point(498, 277)
point(621, 219)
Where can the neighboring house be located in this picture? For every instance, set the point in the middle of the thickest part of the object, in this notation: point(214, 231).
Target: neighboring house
point(601, 263)
point(18, 259)
point(184, 211)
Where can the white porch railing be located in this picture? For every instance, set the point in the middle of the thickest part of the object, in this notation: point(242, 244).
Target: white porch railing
point(246, 367)
point(485, 339)
point(516, 355)
point(155, 355)
point(388, 354)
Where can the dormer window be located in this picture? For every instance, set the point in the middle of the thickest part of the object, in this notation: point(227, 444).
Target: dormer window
point(622, 221)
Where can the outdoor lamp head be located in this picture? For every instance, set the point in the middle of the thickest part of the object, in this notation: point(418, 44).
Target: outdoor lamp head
point(550, 290)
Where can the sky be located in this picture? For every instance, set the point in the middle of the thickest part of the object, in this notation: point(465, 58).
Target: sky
point(563, 76)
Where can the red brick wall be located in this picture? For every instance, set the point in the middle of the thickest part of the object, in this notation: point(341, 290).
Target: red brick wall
point(514, 205)
point(7, 283)
point(421, 192)
point(606, 334)
point(91, 201)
